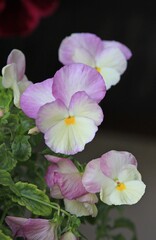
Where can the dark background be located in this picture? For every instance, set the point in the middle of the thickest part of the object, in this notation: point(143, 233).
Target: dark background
point(130, 106)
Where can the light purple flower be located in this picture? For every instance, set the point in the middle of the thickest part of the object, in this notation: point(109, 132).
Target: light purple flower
point(32, 229)
point(67, 129)
point(109, 58)
point(13, 75)
point(116, 177)
point(63, 178)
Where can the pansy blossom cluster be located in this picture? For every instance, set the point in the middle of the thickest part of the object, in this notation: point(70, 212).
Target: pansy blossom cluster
point(66, 110)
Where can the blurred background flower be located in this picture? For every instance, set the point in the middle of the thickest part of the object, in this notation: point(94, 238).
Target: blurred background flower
point(21, 17)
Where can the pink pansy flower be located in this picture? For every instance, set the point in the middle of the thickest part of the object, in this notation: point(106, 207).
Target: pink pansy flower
point(68, 236)
point(82, 206)
point(13, 75)
point(71, 121)
point(35, 96)
point(67, 129)
point(32, 229)
point(110, 59)
point(63, 178)
point(116, 177)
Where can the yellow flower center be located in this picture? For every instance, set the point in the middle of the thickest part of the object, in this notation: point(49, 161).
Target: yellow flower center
point(98, 69)
point(69, 120)
point(120, 186)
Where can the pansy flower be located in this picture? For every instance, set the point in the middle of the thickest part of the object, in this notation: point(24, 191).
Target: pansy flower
point(30, 229)
point(65, 182)
point(107, 57)
point(116, 177)
point(13, 75)
point(71, 120)
point(63, 178)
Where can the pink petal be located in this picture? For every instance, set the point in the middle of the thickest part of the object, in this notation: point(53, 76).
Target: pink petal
point(80, 47)
point(78, 77)
point(16, 223)
point(64, 165)
point(35, 96)
point(112, 162)
point(93, 177)
point(17, 57)
point(124, 49)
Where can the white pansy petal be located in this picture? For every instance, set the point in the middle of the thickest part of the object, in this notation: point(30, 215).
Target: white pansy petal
point(17, 57)
point(83, 106)
point(70, 139)
point(111, 76)
point(51, 114)
point(129, 173)
point(113, 162)
point(88, 198)
point(112, 58)
point(36, 96)
point(93, 177)
point(131, 195)
point(80, 209)
point(9, 75)
point(106, 191)
point(24, 84)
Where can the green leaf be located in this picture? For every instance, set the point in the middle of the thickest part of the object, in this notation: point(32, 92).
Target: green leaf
point(6, 180)
point(33, 199)
point(7, 162)
point(5, 96)
point(21, 148)
point(4, 237)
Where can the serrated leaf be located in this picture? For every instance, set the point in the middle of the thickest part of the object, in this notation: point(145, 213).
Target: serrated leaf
point(33, 199)
point(4, 237)
point(21, 148)
point(7, 161)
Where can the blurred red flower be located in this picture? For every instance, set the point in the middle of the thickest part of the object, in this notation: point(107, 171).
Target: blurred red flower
point(21, 17)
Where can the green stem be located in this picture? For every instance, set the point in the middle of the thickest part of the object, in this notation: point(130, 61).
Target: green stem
point(3, 215)
point(52, 205)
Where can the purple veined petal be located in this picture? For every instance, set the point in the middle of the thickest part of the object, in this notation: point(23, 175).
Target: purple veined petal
point(80, 48)
point(93, 178)
point(112, 58)
point(78, 77)
point(125, 50)
point(64, 165)
point(71, 185)
point(32, 229)
point(83, 106)
point(35, 96)
point(17, 57)
point(112, 162)
point(16, 223)
point(50, 176)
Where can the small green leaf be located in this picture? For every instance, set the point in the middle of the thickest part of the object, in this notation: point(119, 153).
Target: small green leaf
point(33, 199)
point(7, 161)
point(4, 237)
point(6, 96)
point(21, 148)
point(6, 180)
